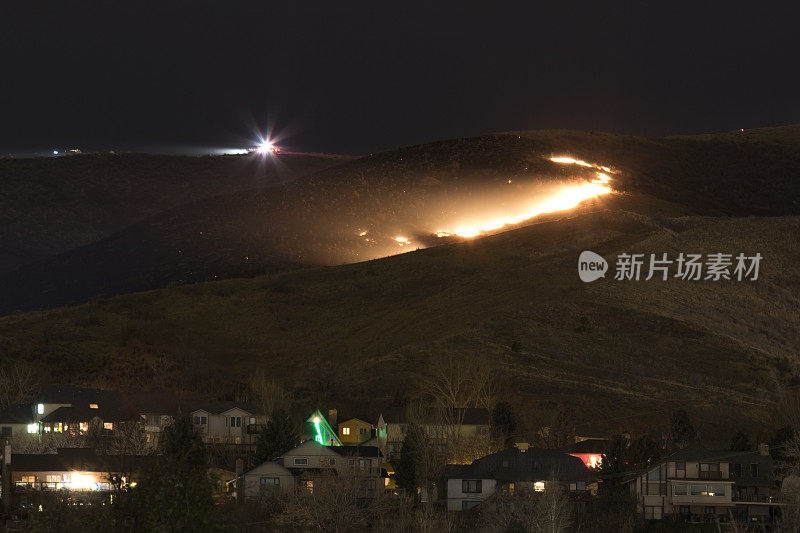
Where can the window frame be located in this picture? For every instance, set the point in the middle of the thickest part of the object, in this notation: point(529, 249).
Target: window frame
point(471, 486)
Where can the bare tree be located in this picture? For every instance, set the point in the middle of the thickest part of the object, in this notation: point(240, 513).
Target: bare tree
point(457, 380)
point(18, 384)
point(332, 503)
point(268, 393)
point(549, 511)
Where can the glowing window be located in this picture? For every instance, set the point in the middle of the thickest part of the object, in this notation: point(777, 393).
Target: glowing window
point(93, 406)
point(345, 431)
point(108, 425)
point(40, 409)
point(33, 428)
point(58, 428)
point(84, 427)
point(538, 486)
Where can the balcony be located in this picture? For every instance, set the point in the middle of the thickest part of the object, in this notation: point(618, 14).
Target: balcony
point(753, 498)
point(255, 429)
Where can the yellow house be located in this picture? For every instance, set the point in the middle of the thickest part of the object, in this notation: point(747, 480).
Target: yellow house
point(354, 431)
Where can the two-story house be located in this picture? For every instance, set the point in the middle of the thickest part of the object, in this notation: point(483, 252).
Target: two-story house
point(77, 470)
point(310, 462)
point(699, 485)
point(445, 426)
point(70, 410)
point(520, 468)
point(228, 422)
point(158, 410)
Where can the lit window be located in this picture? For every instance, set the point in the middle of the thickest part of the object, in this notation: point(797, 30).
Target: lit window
point(538, 486)
point(84, 427)
point(58, 428)
point(108, 425)
point(345, 431)
point(93, 406)
point(40, 409)
point(33, 428)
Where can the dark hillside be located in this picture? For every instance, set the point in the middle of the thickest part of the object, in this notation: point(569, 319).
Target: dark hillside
point(410, 192)
point(50, 205)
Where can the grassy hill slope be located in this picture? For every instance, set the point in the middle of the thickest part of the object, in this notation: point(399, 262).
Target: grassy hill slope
point(410, 191)
point(50, 205)
point(615, 355)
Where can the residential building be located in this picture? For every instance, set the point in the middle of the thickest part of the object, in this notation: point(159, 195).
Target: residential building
point(18, 422)
point(69, 410)
point(446, 426)
point(699, 485)
point(310, 462)
point(228, 422)
point(355, 431)
point(157, 410)
point(520, 468)
point(78, 470)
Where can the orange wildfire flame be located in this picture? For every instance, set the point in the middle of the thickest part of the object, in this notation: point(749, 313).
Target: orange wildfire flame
point(567, 198)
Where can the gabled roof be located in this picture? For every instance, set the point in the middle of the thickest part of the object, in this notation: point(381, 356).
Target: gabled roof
point(17, 414)
point(157, 403)
point(105, 411)
point(70, 460)
point(472, 416)
point(217, 407)
point(534, 464)
point(587, 446)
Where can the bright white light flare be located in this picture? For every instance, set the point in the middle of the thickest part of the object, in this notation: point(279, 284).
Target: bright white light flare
point(566, 160)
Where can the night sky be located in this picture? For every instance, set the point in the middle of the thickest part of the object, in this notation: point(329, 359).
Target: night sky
point(349, 78)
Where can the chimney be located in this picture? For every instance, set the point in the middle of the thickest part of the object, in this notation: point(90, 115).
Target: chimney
point(522, 446)
point(763, 448)
point(332, 416)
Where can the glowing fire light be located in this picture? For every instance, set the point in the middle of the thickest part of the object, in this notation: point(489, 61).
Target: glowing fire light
point(443, 234)
point(402, 241)
point(362, 234)
point(571, 161)
point(568, 198)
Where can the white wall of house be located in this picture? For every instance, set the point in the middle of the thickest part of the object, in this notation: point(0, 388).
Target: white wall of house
point(456, 495)
point(266, 477)
point(229, 426)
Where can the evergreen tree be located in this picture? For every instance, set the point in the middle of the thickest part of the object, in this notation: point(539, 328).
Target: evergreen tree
point(407, 469)
point(613, 461)
point(503, 422)
point(278, 436)
point(740, 442)
point(681, 431)
point(642, 452)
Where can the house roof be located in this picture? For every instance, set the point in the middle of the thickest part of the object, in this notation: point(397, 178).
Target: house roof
point(70, 460)
point(217, 407)
point(108, 412)
point(534, 464)
point(587, 446)
point(357, 451)
point(473, 416)
point(17, 414)
point(159, 402)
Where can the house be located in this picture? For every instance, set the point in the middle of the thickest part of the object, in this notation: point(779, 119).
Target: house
point(590, 451)
point(355, 431)
point(465, 425)
point(70, 410)
point(158, 410)
point(78, 470)
point(697, 485)
point(18, 422)
point(515, 469)
point(310, 462)
point(228, 422)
